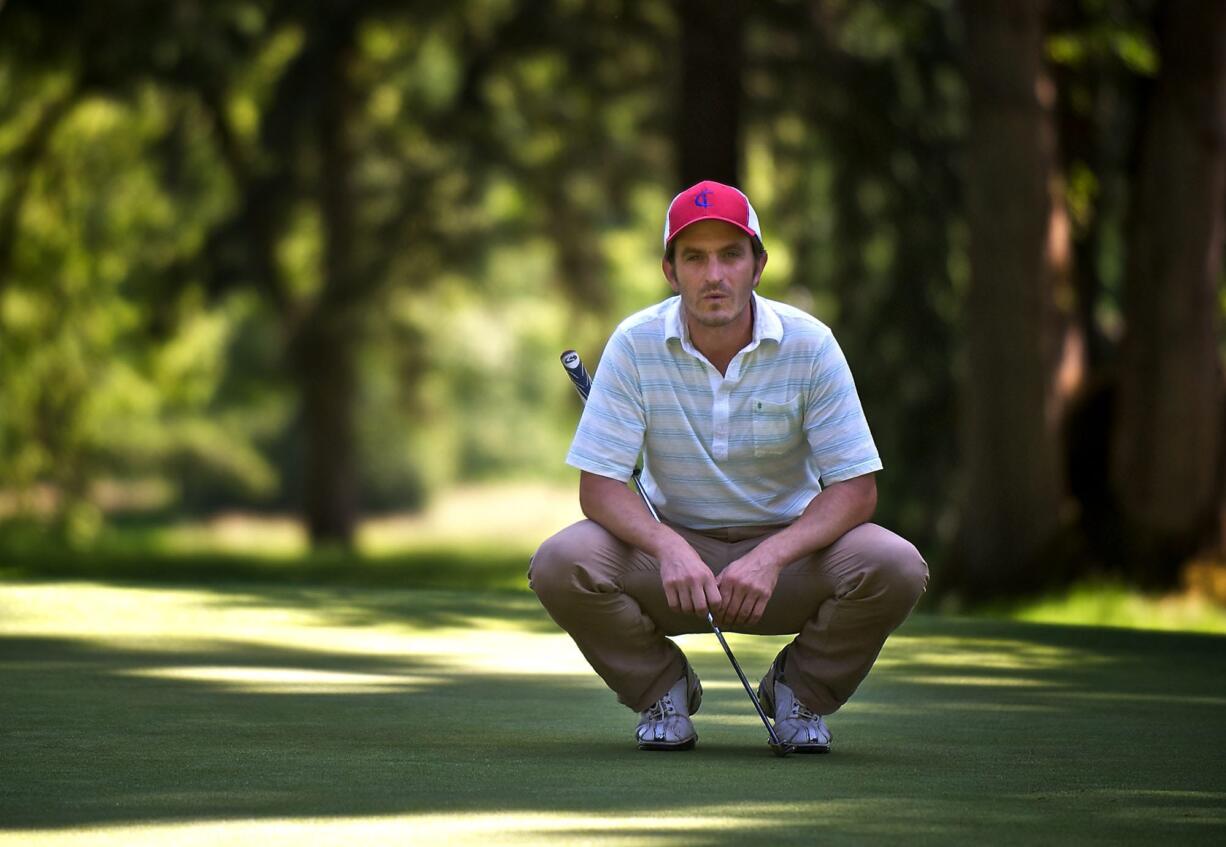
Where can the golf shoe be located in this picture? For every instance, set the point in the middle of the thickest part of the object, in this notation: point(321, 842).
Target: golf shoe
point(666, 724)
point(795, 723)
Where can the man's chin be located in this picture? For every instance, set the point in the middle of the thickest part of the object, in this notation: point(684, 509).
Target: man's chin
point(717, 317)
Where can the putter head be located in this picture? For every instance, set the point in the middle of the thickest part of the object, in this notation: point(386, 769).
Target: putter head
point(780, 750)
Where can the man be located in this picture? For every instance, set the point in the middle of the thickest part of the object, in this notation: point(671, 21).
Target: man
point(760, 462)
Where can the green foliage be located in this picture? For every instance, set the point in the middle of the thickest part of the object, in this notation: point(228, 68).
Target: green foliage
point(101, 372)
point(508, 165)
point(1105, 38)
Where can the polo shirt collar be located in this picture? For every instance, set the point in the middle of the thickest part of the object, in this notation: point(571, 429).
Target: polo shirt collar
point(766, 323)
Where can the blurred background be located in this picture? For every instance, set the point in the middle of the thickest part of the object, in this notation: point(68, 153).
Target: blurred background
point(283, 285)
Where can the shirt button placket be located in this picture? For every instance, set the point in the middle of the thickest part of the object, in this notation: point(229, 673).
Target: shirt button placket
point(720, 417)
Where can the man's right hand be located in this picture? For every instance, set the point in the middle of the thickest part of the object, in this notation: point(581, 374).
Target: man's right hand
point(689, 584)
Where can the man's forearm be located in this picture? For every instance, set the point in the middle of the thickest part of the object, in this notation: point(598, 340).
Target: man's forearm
point(829, 515)
point(614, 506)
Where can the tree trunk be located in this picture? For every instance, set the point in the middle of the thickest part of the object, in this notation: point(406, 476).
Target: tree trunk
point(326, 371)
point(1013, 488)
point(711, 36)
point(326, 345)
point(1167, 453)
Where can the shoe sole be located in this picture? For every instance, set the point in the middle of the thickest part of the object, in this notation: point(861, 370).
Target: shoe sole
point(668, 748)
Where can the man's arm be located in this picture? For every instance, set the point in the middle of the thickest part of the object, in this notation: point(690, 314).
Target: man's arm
point(688, 583)
point(747, 584)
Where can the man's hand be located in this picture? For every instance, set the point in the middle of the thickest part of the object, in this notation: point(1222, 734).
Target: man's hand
point(745, 586)
point(689, 584)
point(748, 583)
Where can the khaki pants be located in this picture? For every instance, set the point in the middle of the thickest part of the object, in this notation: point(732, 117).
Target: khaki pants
point(842, 601)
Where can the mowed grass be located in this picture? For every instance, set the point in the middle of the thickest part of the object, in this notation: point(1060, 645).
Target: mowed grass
point(478, 537)
point(253, 713)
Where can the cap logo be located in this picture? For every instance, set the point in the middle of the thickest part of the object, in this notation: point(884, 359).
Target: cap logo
point(703, 198)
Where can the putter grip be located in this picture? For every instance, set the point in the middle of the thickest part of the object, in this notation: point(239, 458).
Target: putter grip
point(577, 373)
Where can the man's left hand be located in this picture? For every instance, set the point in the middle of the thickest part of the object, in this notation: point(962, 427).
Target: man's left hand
point(745, 586)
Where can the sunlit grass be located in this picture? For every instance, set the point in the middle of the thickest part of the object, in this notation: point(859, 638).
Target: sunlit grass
point(514, 514)
point(1010, 682)
point(950, 652)
point(280, 537)
point(1115, 604)
point(272, 680)
point(682, 826)
point(309, 619)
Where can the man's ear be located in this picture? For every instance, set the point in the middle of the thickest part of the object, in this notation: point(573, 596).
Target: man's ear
point(761, 266)
point(670, 275)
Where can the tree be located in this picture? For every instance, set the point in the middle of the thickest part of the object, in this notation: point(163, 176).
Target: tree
point(1013, 491)
point(93, 375)
point(1167, 451)
point(710, 39)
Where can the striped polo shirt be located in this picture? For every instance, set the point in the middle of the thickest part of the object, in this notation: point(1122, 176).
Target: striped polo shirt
point(752, 446)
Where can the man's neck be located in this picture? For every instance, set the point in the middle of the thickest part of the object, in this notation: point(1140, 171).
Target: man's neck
point(721, 343)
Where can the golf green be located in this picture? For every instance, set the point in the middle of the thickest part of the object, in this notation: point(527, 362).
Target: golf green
point(269, 715)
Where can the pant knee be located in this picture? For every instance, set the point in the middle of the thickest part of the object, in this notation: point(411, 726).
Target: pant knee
point(898, 570)
point(549, 570)
point(907, 574)
point(557, 567)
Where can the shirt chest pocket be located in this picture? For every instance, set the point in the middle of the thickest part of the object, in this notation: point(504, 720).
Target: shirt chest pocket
point(776, 426)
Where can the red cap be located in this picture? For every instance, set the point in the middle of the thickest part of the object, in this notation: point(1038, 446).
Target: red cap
point(710, 201)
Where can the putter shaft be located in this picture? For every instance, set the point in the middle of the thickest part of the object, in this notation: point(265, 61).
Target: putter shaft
point(775, 742)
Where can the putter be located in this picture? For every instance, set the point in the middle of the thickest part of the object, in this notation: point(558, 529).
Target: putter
point(583, 384)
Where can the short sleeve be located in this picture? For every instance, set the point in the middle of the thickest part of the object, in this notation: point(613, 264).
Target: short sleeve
point(834, 421)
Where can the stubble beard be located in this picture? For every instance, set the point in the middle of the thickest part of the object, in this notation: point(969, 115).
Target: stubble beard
point(717, 320)
point(714, 321)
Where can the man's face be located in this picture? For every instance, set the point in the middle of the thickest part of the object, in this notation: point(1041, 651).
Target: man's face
point(714, 271)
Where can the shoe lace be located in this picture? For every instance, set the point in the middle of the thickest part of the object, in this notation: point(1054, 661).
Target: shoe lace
point(803, 712)
point(662, 708)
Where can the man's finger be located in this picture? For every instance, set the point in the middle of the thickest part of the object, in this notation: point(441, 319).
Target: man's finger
point(684, 599)
point(699, 599)
point(759, 608)
point(673, 598)
point(753, 609)
point(745, 613)
point(732, 609)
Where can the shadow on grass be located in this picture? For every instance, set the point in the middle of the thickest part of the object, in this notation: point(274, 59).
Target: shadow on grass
point(424, 609)
point(965, 730)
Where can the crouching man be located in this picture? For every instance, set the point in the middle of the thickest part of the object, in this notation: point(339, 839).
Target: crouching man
point(759, 460)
